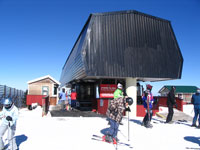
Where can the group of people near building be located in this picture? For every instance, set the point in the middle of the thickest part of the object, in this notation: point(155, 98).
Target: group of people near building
point(195, 100)
point(121, 103)
point(67, 101)
point(148, 102)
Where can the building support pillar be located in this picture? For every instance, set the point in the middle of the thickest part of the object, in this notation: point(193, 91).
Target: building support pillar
point(131, 90)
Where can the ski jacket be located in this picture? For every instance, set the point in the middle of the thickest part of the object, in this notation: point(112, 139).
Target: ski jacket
point(62, 96)
point(118, 93)
point(116, 109)
point(171, 98)
point(196, 100)
point(150, 98)
point(73, 95)
point(12, 112)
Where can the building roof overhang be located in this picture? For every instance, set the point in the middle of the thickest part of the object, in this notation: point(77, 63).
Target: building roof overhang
point(42, 78)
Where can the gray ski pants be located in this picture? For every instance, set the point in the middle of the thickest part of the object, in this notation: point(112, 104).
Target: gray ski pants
point(10, 137)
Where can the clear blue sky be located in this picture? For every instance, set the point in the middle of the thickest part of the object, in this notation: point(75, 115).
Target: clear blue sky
point(36, 36)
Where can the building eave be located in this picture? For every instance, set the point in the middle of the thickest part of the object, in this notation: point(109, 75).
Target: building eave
point(42, 78)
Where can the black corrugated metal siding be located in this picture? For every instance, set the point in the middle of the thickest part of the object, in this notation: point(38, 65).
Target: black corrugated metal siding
point(74, 66)
point(127, 44)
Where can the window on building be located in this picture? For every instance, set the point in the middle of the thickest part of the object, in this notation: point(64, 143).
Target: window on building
point(45, 90)
point(55, 89)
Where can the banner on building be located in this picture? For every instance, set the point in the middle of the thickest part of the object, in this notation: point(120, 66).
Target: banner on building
point(107, 90)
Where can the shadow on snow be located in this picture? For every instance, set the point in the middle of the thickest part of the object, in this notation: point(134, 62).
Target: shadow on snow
point(136, 121)
point(19, 139)
point(193, 140)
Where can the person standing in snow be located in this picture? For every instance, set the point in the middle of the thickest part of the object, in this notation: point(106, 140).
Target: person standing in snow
point(171, 101)
point(63, 99)
point(73, 98)
point(9, 116)
point(196, 102)
point(115, 113)
point(119, 93)
point(148, 105)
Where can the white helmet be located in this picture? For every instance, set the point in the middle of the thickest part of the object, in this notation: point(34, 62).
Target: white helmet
point(7, 103)
point(198, 91)
point(119, 86)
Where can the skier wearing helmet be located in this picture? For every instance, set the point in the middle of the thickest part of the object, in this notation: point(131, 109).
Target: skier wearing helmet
point(118, 92)
point(115, 114)
point(148, 105)
point(9, 116)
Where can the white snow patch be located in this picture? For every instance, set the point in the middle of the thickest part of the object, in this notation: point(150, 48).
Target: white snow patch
point(189, 109)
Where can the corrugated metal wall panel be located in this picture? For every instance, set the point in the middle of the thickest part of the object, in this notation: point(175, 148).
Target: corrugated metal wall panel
point(7, 91)
point(16, 95)
point(124, 44)
point(133, 45)
point(12, 92)
point(1, 90)
point(74, 67)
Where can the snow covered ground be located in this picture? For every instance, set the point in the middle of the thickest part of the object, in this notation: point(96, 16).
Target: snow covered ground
point(188, 109)
point(35, 132)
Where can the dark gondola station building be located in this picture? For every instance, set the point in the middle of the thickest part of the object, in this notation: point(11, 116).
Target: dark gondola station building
point(125, 47)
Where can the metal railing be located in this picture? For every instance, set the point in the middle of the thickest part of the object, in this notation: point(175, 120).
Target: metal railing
point(18, 96)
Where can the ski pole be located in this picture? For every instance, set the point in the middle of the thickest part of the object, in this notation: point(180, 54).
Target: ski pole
point(9, 138)
point(148, 110)
point(116, 143)
point(192, 110)
point(128, 126)
point(9, 134)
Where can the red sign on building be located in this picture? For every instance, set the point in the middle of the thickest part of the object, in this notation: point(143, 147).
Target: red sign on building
point(107, 90)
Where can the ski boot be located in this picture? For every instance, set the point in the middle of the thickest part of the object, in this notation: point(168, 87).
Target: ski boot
point(171, 122)
point(108, 139)
point(117, 140)
point(148, 125)
point(193, 125)
point(114, 141)
point(198, 126)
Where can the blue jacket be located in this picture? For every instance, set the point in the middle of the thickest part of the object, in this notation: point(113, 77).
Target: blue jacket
point(62, 96)
point(196, 101)
point(12, 112)
point(151, 100)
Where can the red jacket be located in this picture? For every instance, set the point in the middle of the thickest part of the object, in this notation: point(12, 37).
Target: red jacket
point(73, 95)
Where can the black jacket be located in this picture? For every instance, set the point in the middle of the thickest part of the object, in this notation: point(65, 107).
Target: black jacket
point(171, 98)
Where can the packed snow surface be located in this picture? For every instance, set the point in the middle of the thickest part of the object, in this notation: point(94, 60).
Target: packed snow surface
point(35, 132)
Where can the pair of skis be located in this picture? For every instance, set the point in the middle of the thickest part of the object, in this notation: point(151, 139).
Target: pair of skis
point(102, 139)
point(99, 138)
point(183, 121)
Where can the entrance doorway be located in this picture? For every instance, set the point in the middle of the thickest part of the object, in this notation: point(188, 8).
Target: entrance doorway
point(85, 95)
